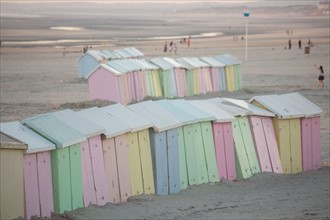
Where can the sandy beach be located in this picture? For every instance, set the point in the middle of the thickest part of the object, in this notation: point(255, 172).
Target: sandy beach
point(36, 77)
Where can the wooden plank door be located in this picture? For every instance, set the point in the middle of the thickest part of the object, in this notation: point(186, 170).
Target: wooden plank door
point(316, 140)
point(87, 175)
point(45, 184)
point(134, 162)
point(182, 160)
point(100, 181)
point(229, 150)
point(209, 150)
point(295, 141)
point(200, 154)
point(219, 145)
point(191, 155)
point(272, 145)
point(31, 186)
point(76, 176)
point(110, 166)
point(173, 161)
point(123, 168)
point(146, 162)
point(306, 143)
point(260, 143)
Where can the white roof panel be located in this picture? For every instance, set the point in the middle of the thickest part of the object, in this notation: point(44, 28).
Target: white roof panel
point(232, 109)
point(212, 61)
point(135, 121)
point(278, 106)
point(35, 142)
point(219, 114)
point(252, 108)
point(161, 119)
point(112, 125)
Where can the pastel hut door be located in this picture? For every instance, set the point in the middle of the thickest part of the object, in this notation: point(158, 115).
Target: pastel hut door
point(37, 170)
point(115, 153)
point(65, 160)
point(11, 180)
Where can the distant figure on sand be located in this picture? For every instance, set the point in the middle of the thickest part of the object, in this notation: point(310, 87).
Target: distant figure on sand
point(289, 43)
point(188, 41)
point(299, 44)
point(165, 47)
point(320, 76)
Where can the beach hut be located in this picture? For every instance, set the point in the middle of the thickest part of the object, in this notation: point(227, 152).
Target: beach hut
point(92, 58)
point(218, 76)
point(115, 153)
point(245, 155)
point(198, 76)
point(310, 130)
point(11, 177)
point(38, 189)
point(172, 77)
point(127, 53)
point(264, 136)
point(164, 146)
point(65, 160)
point(223, 138)
point(232, 71)
point(93, 172)
point(200, 151)
point(287, 130)
point(139, 151)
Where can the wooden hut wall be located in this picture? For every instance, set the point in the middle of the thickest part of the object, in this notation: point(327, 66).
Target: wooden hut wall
point(11, 180)
point(115, 153)
point(181, 81)
point(164, 147)
point(104, 85)
point(65, 161)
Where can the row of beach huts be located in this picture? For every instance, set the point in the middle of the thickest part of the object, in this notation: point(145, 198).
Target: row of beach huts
point(130, 78)
point(64, 160)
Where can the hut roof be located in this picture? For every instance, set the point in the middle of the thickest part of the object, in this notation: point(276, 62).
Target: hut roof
point(252, 108)
point(128, 52)
point(219, 114)
point(212, 61)
point(183, 116)
point(189, 108)
point(135, 121)
point(302, 104)
point(35, 142)
point(130, 65)
point(166, 63)
point(278, 106)
point(161, 119)
point(112, 125)
point(54, 130)
point(10, 143)
point(227, 59)
point(104, 66)
point(79, 123)
point(191, 63)
point(232, 109)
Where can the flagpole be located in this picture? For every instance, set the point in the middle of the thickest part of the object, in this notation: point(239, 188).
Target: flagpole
point(246, 14)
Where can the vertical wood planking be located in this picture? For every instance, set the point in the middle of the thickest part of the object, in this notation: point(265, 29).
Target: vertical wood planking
point(173, 161)
point(100, 182)
point(219, 144)
point(134, 162)
point(31, 186)
point(316, 147)
point(110, 164)
point(295, 141)
point(123, 168)
point(182, 160)
point(76, 176)
point(229, 150)
point(260, 143)
point(306, 143)
point(209, 150)
point(146, 162)
point(282, 131)
point(191, 156)
point(200, 154)
point(272, 145)
point(87, 175)
point(45, 184)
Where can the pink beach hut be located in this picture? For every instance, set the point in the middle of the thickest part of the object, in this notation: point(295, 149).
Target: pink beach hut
point(93, 171)
point(223, 138)
point(115, 153)
point(38, 188)
point(310, 130)
point(263, 135)
point(218, 76)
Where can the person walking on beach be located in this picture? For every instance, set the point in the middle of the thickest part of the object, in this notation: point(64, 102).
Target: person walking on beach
point(299, 44)
point(320, 76)
point(289, 44)
point(165, 47)
point(188, 41)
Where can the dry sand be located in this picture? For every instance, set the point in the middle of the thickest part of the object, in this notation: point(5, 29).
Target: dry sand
point(39, 79)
